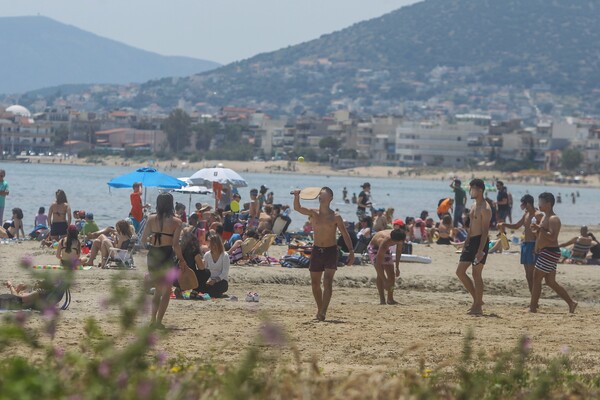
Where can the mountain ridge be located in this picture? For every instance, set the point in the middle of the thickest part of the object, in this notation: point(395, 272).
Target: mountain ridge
point(40, 52)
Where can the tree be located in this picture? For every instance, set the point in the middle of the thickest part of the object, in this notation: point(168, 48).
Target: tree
point(571, 159)
point(330, 143)
point(178, 126)
point(61, 135)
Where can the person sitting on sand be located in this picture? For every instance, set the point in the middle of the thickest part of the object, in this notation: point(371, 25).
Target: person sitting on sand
point(418, 232)
point(575, 250)
point(69, 248)
point(13, 228)
point(44, 293)
point(90, 225)
point(380, 253)
point(445, 231)
point(59, 216)
point(216, 261)
point(194, 258)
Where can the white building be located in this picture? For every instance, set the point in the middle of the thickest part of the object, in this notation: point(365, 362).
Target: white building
point(439, 142)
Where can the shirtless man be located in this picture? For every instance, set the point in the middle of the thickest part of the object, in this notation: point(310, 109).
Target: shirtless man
point(325, 222)
point(548, 252)
point(265, 220)
point(476, 245)
point(528, 245)
point(381, 257)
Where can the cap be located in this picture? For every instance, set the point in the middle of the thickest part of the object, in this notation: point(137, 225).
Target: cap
point(398, 222)
point(381, 209)
point(89, 216)
point(366, 184)
point(238, 225)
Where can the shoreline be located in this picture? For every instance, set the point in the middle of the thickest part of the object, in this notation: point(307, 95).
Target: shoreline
point(534, 177)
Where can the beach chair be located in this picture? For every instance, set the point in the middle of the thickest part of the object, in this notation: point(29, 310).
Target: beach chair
point(280, 227)
point(243, 252)
point(139, 244)
point(263, 245)
point(121, 258)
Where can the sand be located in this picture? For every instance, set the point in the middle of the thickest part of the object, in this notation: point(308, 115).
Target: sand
point(428, 325)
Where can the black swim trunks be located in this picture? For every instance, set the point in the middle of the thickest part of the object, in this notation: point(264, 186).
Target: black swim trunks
point(323, 258)
point(472, 247)
point(59, 228)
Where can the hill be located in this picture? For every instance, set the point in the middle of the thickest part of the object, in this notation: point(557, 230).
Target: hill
point(427, 49)
point(39, 52)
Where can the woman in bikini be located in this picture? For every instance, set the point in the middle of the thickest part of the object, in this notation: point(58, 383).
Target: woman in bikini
point(14, 227)
point(165, 230)
point(69, 248)
point(59, 216)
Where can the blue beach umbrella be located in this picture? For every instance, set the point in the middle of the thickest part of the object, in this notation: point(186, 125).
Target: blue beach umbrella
point(149, 177)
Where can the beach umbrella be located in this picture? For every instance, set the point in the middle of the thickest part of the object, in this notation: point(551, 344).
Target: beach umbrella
point(191, 189)
point(149, 177)
point(224, 176)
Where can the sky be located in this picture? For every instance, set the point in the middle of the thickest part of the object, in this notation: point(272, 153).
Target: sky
point(216, 30)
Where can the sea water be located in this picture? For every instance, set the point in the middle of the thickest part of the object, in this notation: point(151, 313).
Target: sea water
point(34, 185)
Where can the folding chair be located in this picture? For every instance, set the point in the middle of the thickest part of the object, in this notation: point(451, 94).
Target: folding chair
point(138, 243)
point(263, 245)
point(122, 258)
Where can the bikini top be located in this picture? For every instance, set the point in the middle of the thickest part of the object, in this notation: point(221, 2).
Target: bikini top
point(158, 236)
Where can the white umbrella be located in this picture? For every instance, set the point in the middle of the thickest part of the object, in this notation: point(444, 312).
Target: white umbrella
point(224, 176)
point(191, 189)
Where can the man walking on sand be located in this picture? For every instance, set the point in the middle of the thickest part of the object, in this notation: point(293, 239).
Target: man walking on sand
point(528, 245)
point(381, 257)
point(324, 256)
point(476, 246)
point(548, 254)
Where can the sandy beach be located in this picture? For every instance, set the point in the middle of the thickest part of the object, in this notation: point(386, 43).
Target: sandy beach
point(535, 177)
point(428, 325)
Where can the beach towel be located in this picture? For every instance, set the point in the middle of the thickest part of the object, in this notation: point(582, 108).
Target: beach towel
point(58, 266)
point(295, 261)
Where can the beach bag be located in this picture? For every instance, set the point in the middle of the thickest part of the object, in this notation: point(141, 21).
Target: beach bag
point(187, 279)
point(296, 261)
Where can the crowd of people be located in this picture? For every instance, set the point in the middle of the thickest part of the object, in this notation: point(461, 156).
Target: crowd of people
point(208, 239)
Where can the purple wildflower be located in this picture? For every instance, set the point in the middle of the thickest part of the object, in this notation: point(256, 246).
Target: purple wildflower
point(161, 358)
point(20, 318)
point(526, 344)
point(272, 334)
point(171, 275)
point(26, 261)
point(152, 340)
point(144, 389)
point(122, 380)
point(104, 369)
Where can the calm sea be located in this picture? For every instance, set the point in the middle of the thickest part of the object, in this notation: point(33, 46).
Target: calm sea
point(34, 185)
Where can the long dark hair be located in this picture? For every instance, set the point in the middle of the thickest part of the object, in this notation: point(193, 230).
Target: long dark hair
point(71, 237)
point(164, 207)
point(18, 213)
point(61, 197)
point(189, 242)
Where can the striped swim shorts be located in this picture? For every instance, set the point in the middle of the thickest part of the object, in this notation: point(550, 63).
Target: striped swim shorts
point(547, 259)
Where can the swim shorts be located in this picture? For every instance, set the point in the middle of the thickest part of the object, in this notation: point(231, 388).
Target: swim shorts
point(547, 259)
point(59, 228)
point(323, 258)
point(387, 259)
point(472, 247)
point(528, 253)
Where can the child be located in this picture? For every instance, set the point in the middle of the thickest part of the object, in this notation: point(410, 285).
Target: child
point(90, 225)
point(41, 218)
point(69, 248)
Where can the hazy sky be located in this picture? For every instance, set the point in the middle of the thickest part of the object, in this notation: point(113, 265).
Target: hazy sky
point(217, 30)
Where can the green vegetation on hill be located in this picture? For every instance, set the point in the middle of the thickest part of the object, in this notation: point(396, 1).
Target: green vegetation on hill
point(487, 42)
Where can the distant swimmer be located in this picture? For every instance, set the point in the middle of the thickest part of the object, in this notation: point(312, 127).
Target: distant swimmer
point(476, 246)
point(324, 257)
point(548, 253)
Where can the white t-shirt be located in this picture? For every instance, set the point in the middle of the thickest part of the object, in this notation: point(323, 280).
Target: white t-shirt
point(218, 269)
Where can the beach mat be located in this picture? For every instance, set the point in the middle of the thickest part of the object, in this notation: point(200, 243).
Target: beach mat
point(49, 266)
